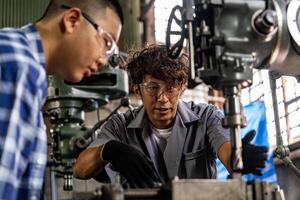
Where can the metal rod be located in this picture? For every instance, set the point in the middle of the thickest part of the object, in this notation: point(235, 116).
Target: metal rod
point(280, 152)
point(276, 112)
point(288, 129)
point(191, 50)
point(287, 161)
point(53, 185)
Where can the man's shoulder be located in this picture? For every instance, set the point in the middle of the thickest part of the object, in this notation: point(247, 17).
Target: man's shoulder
point(12, 37)
point(202, 109)
point(11, 30)
point(123, 119)
point(16, 52)
point(199, 106)
point(128, 116)
point(15, 44)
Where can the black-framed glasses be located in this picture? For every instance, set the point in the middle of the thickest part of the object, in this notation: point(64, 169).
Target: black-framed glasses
point(110, 43)
point(155, 89)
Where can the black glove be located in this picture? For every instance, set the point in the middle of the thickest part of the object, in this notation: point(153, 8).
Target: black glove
point(138, 170)
point(254, 156)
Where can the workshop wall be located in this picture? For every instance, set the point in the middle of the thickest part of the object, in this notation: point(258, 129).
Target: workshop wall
point(16, 13)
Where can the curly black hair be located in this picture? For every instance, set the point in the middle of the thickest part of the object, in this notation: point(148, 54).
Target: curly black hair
point(154, 61)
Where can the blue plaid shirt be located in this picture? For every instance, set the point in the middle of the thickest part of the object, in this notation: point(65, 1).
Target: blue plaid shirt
point(23, 140)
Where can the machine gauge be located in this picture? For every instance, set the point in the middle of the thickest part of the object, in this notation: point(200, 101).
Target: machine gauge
point(293, 20)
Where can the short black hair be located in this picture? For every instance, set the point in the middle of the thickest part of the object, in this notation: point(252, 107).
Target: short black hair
point(117, 7)
point(89, 6)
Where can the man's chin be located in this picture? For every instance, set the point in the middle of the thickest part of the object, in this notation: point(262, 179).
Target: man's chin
point(163, 119)
point(74, 79)
point(164, 124)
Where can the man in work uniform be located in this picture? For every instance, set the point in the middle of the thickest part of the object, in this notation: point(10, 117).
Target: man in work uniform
point(165, 137)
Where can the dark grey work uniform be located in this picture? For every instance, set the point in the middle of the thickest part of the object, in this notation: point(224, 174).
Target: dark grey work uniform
point(191, 149)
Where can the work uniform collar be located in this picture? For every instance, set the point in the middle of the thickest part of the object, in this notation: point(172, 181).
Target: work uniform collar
point(141, 119)
point(185, 113)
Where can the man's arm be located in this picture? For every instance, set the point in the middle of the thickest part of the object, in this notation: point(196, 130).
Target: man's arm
point(89, 163)
point(134, 165)
point(23, 148)
point(254, 156)
point(224, 155)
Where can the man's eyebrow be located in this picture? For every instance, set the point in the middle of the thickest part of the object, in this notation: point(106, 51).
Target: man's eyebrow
point(152, 82)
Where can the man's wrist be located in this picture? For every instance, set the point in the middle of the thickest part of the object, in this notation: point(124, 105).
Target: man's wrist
point(101, 152)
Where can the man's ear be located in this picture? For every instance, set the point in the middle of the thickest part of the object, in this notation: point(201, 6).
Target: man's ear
point(71, 20)
point(183, 88)
point(136, 91)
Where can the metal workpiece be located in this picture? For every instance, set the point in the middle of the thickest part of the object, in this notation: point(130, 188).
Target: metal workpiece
point(114, 192)
point(208, 189)
point(235, 189)
point(191, 189)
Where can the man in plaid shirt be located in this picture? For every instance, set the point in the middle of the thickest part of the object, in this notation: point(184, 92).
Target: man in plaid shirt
point(72, 39)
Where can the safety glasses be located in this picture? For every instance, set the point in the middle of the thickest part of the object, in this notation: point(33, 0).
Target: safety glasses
point(110, 43)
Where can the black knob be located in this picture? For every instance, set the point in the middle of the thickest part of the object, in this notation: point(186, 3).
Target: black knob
point(90, 105)
point(266, 21)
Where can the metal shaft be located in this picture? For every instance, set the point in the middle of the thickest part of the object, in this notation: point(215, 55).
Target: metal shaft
point(234, 120)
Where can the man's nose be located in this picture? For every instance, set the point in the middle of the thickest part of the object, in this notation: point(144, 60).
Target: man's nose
point(161, 95)
point(101, 61)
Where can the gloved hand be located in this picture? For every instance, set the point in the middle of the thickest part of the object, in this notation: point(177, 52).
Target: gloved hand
point(254, 156)
point(138, 170)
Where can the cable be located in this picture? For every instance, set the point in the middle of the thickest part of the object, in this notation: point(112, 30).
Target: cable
point(82, 142)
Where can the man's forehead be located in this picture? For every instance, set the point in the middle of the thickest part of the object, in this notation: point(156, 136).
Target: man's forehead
point(149, 78)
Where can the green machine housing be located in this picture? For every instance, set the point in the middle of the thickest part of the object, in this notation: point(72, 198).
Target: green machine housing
point(65, 109)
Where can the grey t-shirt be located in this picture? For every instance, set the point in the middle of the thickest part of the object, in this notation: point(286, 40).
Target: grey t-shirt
point(197, 135)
